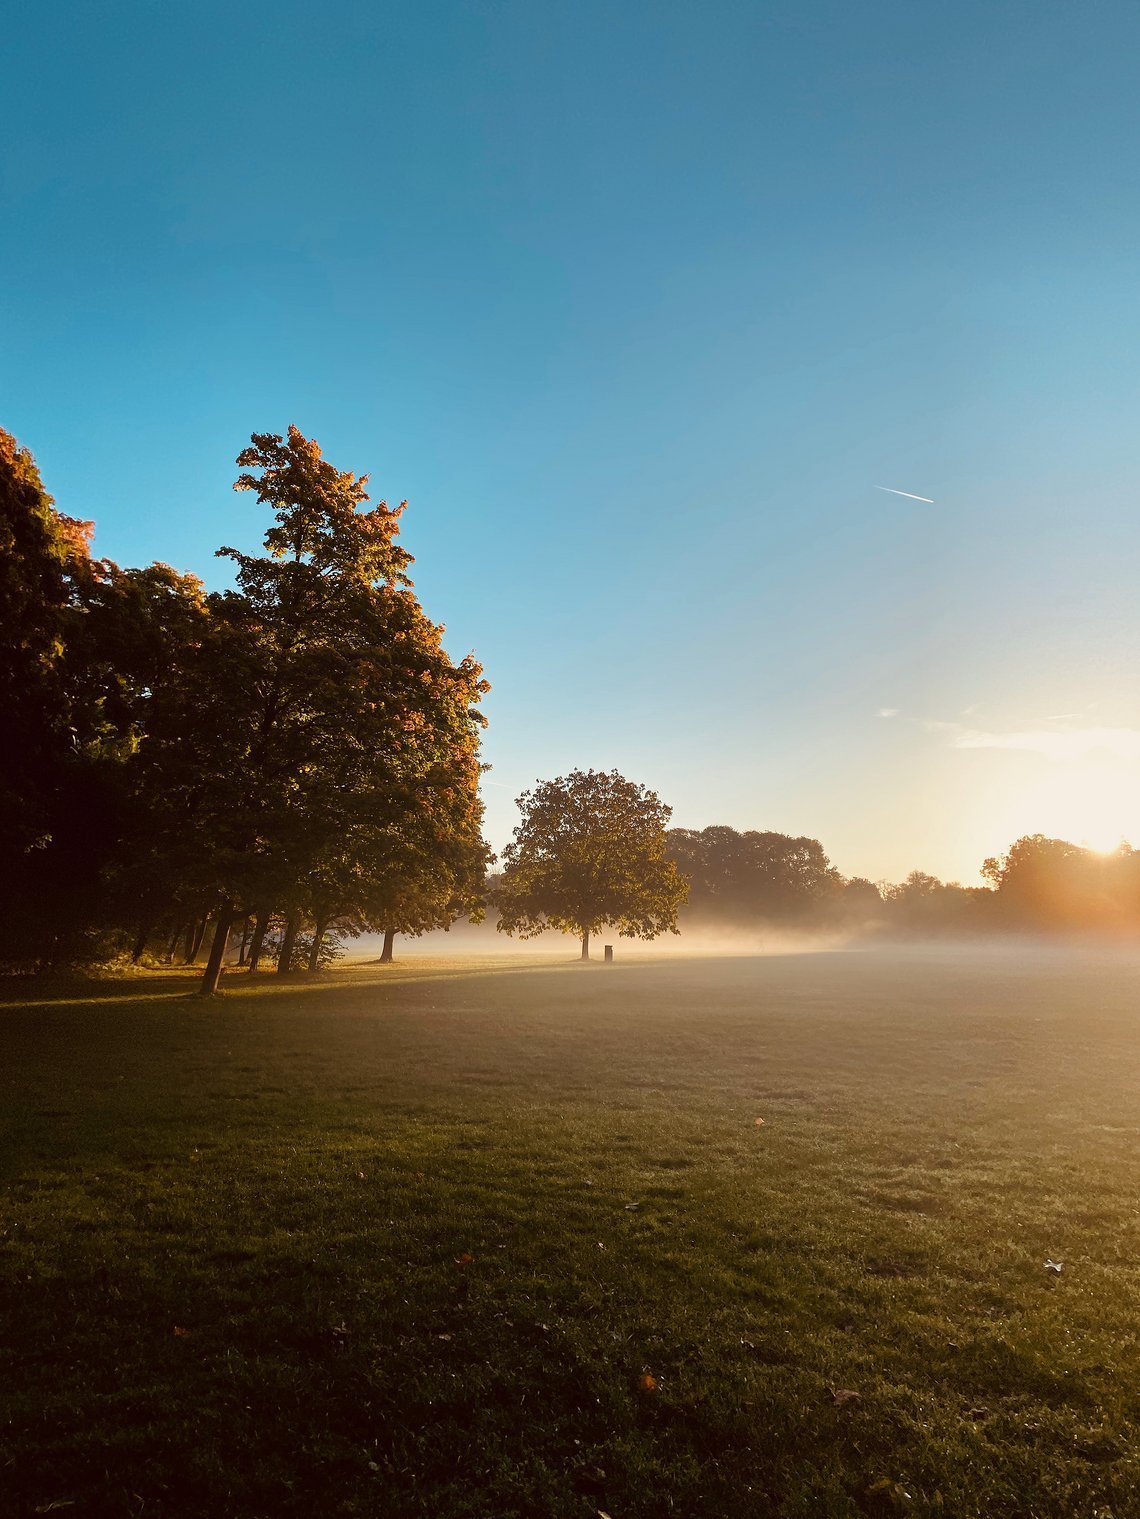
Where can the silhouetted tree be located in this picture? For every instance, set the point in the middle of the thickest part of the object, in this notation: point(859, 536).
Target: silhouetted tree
point(53, 817)
point(860, 898)
point(1049, 883)
point(135, 646)
point(743, 878)
point(924, 905)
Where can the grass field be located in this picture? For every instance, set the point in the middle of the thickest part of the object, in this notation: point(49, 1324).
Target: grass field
point(505, 1238)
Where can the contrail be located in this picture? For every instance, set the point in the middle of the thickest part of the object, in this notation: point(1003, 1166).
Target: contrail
point(909, 494)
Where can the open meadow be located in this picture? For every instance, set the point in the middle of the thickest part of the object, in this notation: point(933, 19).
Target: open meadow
point(505, 1237)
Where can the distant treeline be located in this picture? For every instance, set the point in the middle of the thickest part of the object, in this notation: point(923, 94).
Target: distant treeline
point(280, 763)
point(748, 880)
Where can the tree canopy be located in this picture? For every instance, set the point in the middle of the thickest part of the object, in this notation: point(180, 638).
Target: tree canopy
point(1051, 884)
point(739, 878)
point(589, 852)
point(299, 748)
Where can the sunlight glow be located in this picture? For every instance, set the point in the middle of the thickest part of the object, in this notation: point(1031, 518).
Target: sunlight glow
point(1091, 802)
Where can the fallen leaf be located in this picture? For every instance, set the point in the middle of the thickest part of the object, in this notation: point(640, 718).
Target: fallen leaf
point(841, 1395)
point(648, 1382)
point(759, 1123)
point(465, 1259)
point(179, 1333)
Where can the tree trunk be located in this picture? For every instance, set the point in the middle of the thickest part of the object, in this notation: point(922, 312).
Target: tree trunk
point(389, 941)
point(174, 938)
point(142, 939)
point(315, 947)
point(245, 923)
point(197, 934)
point(213, 972)
point(258, 940)
point(289, 938)
point(585, 944)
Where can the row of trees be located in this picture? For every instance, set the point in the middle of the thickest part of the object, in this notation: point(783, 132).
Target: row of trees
point(594, 850)
point(744, 880)
point(297, 753)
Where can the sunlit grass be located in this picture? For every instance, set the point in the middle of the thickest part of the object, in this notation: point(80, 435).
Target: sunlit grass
point(407, 1241)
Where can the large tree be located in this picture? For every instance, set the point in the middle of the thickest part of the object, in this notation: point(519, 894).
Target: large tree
point(301, 745)
point(340, 700)
point(590, 851)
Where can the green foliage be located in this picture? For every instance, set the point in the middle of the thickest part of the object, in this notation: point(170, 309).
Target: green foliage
point(302, 742)
point(590, 851)
point(321, 534)
point(356, 792)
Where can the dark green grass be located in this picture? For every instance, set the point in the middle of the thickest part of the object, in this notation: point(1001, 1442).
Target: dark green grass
point(234, 1241)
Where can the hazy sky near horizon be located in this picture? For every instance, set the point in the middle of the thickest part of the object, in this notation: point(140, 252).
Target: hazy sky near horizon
point(637, 304)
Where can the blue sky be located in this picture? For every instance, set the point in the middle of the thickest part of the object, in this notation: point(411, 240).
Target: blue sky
point(637, 304)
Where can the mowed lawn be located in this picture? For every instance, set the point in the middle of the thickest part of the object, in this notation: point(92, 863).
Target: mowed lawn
point(505, 1238)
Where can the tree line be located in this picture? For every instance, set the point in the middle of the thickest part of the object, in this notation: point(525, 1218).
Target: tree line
point(594, 850)
point(1041, 885)
point(296, 756)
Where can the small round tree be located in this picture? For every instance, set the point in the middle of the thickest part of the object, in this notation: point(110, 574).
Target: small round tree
point(590, 850)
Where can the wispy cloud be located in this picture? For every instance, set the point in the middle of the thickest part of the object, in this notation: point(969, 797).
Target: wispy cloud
point(1054, 743)
point(1061, 743)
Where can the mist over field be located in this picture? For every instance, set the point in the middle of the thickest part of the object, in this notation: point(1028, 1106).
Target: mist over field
point(483, 939)
point(1012, 947)
point(846, 1233)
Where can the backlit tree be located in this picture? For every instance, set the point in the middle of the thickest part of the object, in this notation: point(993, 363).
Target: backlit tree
point(590, 851)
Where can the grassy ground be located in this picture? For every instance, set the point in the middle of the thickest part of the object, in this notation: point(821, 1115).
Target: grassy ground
point(506, 1239)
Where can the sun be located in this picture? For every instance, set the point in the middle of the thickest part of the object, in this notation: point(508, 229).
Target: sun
point(1095, 802)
